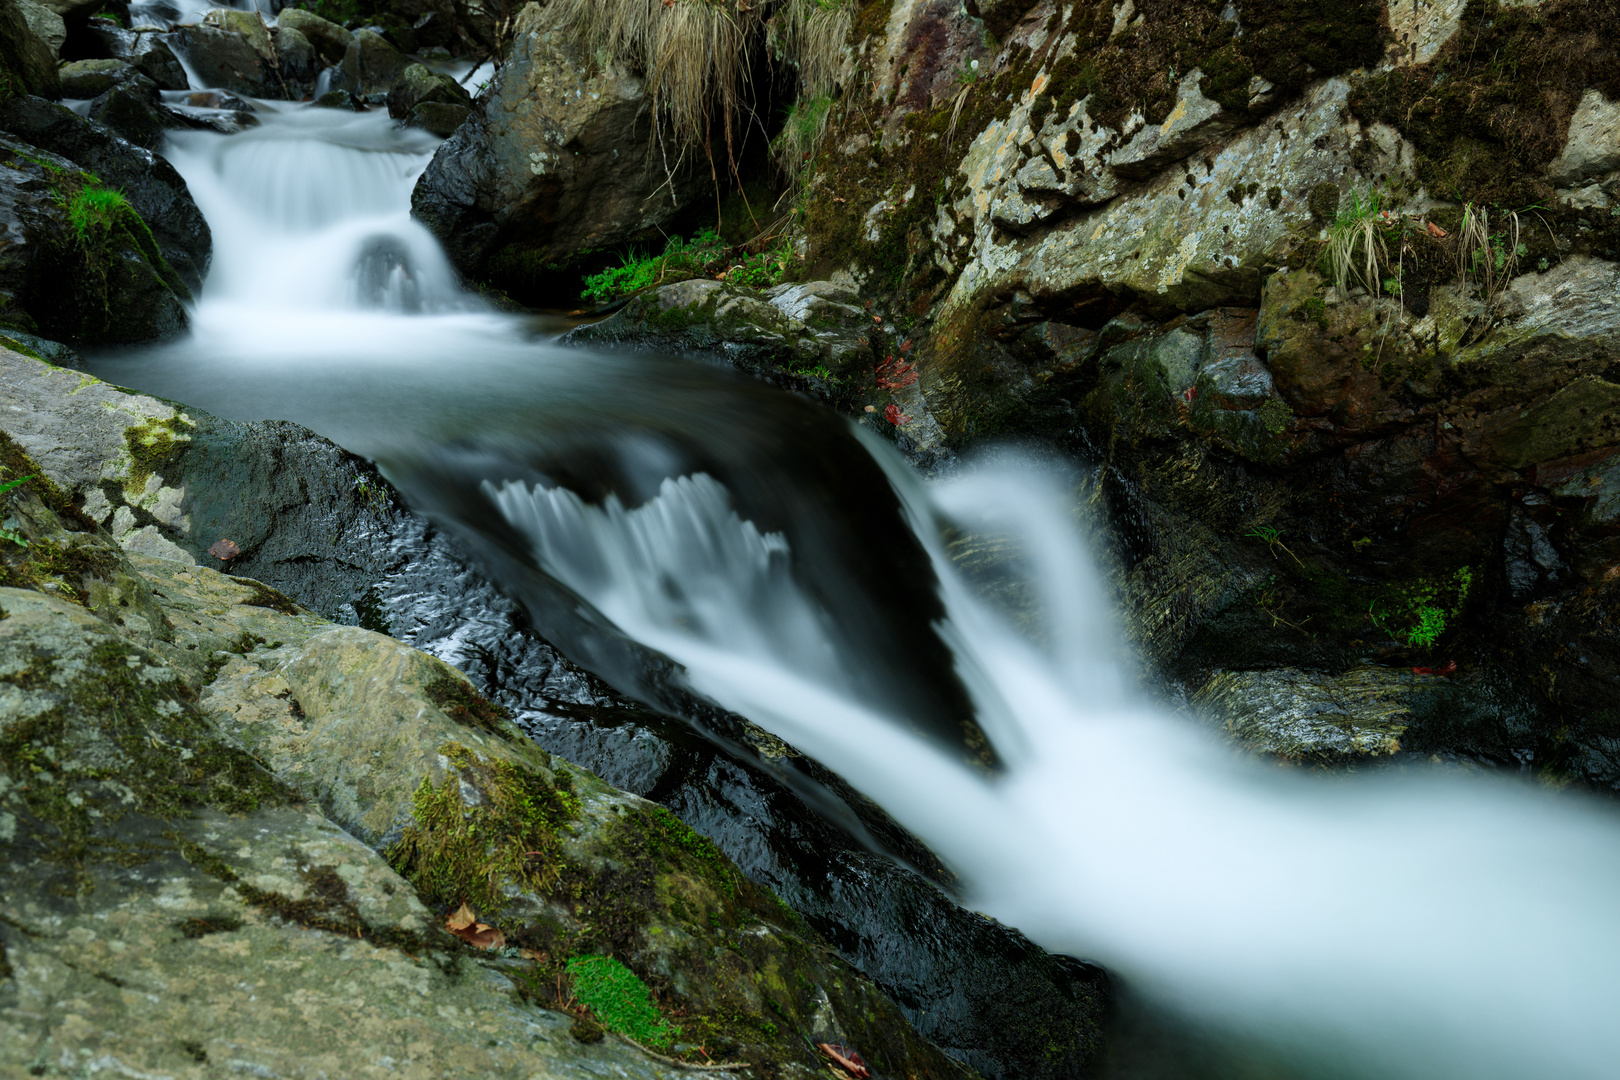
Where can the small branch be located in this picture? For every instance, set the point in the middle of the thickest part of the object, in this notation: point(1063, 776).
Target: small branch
point(730, 1066)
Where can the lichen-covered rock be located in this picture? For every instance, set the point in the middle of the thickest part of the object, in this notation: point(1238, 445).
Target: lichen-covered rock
point(171, 482)
point(418, 85)
point(251, 929)
point(330, 40)
point(92, 78)
point(556, 159)
point(1309, 717)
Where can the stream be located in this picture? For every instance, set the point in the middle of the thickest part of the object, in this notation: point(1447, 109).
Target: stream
point(700, 541)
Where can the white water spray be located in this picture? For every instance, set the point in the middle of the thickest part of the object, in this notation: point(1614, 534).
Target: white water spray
point(1433, 927)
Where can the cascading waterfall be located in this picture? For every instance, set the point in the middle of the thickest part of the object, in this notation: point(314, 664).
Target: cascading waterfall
point(1428, 926)
point(1415, 926)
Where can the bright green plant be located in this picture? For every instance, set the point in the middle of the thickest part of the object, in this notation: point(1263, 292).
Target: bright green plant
point(94, 210)
point(620, 1001)
point(1419, 613)
point(681, 259)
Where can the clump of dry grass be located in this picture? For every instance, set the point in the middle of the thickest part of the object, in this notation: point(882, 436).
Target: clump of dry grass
point(693, 54)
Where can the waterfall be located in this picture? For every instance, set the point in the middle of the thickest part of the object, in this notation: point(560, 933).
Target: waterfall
point(1390, 926)
point(1376, 926)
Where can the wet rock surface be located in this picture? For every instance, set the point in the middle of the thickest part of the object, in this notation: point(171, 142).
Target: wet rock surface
point(150, 184)
point(105, 282)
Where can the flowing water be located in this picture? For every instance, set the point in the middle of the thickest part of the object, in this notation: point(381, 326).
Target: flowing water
point(795, 571)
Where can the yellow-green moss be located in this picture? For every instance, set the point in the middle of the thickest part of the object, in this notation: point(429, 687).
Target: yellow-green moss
point(452, 851)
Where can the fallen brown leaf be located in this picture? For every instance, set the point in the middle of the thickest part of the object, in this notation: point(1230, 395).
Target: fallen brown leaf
point(460, 919)
point(224, 550)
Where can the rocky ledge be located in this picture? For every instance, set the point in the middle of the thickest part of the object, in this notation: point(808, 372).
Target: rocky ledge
point(241, 836)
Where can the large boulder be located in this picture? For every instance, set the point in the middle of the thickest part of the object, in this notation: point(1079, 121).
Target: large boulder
point(329, 40)
point(152, 186)
point(78, 263)
point(559, 156)
point(232, 53)
point(27, 62)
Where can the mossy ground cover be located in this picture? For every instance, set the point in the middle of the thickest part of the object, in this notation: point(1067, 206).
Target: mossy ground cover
point(456, 852)
point(1492, 109)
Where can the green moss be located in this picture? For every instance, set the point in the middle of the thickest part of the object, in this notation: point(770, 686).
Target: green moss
point(266, 597)
point(1491, 110)
point(460, 702)
point(151, 445)
point(453, 851)
point(157, 752)
point(1275, 415)
point(620, 1001)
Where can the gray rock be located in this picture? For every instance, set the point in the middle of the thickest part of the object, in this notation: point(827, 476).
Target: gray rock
point(372, 67)
point(296, 56)
point(418, 85)
point(229, 60)
point(1594, 142)
point(146, 51)
point(556, 158)
point(438, 117)
point(135, 110)
point(152, 186)
point(329, 39)
point(92, 78)
point(1193, 123)
point(45, 24)
point(169, 481)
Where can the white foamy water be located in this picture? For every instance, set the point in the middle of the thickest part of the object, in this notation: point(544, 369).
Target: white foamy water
point(1429, 927)
point(1411, 927)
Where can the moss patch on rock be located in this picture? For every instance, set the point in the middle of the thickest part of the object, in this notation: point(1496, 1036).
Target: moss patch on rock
point(1491, 111)
point(478, 851)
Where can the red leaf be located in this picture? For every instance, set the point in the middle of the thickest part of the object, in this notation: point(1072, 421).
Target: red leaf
point(1189, 394)
point(1436, 231)
point(895, 416)
point(224, 550)
point(1444, 669)
point(893, 374)
point(846, 1059)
